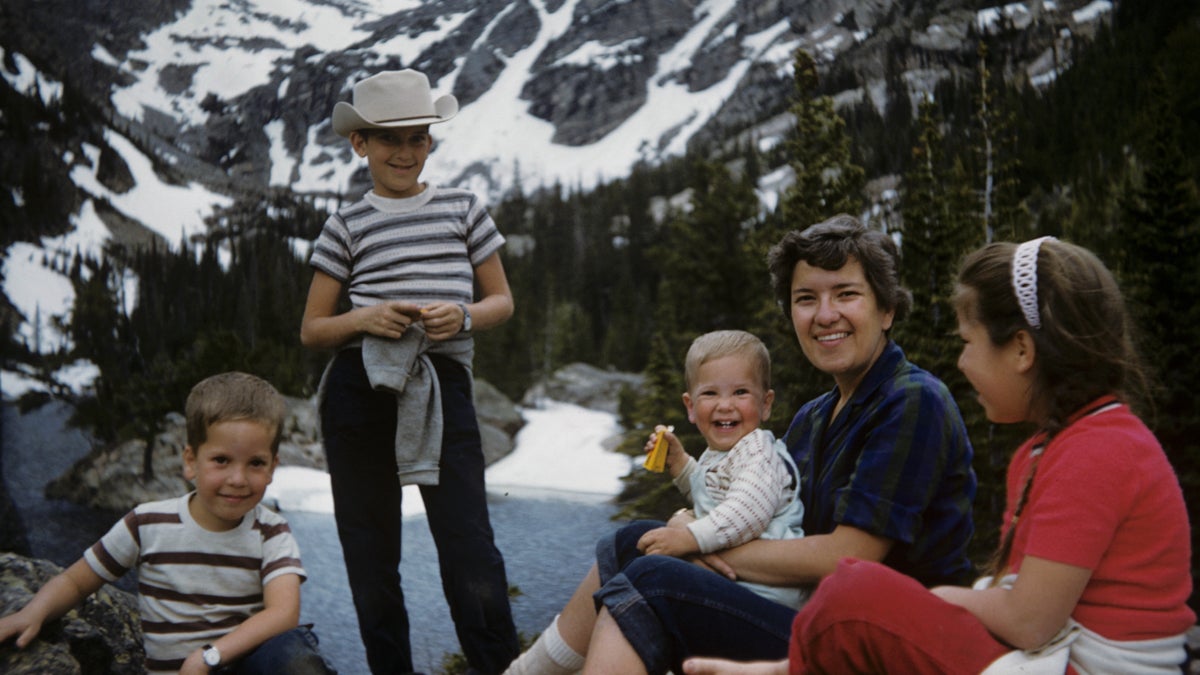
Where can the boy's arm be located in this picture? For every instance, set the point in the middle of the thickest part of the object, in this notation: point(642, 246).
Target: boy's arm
point(280, 613)
point(323, 328)
point(57, 597)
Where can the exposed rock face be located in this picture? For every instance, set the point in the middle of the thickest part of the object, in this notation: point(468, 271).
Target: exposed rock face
point(102, 636)
point(113, 478)
point(584, 385)
point(590, 75)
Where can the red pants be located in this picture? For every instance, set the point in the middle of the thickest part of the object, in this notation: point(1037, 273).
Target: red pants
point(868, 618)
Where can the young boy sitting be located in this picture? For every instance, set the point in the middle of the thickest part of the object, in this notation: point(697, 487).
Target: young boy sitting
point(744, 485)
point(218, 573)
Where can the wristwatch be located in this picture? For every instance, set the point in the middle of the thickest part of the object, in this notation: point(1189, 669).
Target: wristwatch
point(466, 327)
point(211, 656)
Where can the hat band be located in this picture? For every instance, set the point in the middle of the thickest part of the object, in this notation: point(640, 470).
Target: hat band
point(401, 119)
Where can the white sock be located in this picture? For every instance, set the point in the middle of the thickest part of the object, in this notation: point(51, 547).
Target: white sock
point(549, 655)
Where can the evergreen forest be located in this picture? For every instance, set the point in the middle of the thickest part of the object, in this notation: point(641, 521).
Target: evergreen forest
point(623, 276)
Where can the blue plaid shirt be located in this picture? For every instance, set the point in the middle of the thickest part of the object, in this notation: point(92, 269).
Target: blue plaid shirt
point(896, 462)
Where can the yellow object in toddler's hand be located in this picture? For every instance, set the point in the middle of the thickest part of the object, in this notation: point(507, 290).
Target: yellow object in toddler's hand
point(656, 461)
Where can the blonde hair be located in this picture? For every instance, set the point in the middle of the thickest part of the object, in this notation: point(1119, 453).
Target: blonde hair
point(721, 343)
point(230, 397)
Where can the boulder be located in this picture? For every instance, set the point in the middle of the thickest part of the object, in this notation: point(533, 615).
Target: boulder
point(102, 635)
point(584, 385)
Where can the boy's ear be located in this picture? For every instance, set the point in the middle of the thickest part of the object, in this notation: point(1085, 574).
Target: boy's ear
point(359, 142)
point(687, 403)
point(189, 463)
point(768, 401)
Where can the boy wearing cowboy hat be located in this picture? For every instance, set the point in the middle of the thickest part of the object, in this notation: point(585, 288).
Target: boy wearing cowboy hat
point(422, 269)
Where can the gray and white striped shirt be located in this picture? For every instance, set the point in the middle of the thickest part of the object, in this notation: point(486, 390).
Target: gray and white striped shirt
point(422, 249)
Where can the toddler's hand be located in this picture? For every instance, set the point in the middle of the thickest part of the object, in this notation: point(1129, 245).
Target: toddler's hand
point(673, 541)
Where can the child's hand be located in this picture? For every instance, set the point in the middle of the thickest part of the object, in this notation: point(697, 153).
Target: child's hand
point(388, 319)
point(22, 625)
point(443, 320)
point(194, 664)
point(672, 541)
point(676, 457)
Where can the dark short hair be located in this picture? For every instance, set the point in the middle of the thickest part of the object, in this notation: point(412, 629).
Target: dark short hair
point(233, 396)
point(829, 245)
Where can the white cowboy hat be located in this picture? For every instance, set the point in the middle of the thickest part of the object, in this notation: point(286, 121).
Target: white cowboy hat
point(393, 98)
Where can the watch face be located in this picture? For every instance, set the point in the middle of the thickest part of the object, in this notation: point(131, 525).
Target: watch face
point(212, 657)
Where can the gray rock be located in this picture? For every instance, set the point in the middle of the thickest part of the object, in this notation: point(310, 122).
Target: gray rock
point(102, 635)
point(584, 385)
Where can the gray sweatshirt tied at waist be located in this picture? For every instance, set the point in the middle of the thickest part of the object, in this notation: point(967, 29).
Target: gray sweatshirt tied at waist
point(403, 367)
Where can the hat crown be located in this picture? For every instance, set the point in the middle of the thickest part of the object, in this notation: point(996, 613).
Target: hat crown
point(393, 98)
point(394, 95)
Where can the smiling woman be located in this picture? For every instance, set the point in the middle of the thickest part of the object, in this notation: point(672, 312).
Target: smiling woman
point(884, 472)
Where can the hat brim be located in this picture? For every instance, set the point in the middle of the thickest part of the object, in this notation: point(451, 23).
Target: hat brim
point(346, 117)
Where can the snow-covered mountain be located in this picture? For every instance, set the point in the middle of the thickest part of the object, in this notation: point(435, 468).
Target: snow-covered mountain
point(235, 95)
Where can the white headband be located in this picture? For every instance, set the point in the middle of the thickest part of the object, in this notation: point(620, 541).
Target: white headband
point(1025, 279)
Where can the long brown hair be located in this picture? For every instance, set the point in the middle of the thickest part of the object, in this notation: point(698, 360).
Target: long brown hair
point(1084, 346)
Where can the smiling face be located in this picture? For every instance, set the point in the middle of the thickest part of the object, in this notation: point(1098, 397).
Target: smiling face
point(231, 470)
point(727, 400)
point(1000, 374)
point(838, 322)
point(395, 158)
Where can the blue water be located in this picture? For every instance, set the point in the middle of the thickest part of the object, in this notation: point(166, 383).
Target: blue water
point(547, 540)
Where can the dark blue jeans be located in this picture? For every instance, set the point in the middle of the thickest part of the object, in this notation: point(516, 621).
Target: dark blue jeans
point(670, 609)
point(291, 653)
point(359, 424)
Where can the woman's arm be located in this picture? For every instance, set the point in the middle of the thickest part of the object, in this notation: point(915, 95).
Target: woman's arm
point(1034, 610)
point(323, 328)
point(795, 562)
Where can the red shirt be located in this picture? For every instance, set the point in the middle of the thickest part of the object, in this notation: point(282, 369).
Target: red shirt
point(1105, 498)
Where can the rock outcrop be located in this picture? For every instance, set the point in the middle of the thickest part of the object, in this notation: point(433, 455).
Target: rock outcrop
point(584, 385)
point(102, 636)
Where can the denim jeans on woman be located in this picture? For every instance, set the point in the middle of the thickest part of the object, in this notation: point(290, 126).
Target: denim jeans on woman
point(670, 609)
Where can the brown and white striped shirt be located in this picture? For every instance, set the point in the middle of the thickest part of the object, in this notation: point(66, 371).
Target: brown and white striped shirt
point(194, 585)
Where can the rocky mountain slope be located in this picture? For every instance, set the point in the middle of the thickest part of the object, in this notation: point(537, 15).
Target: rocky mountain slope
point(592, 86)
point(170, 110)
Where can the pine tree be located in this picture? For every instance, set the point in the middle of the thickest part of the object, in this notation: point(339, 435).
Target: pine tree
point(827, 182)
point(1004, 217)
point(1160, 271)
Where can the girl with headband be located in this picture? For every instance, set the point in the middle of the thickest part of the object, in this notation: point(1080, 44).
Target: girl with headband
point(1093, 567)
